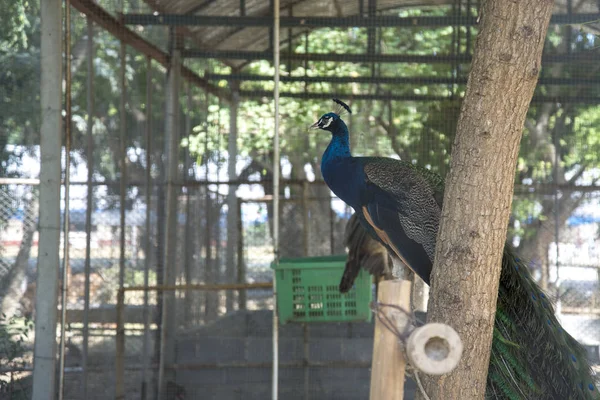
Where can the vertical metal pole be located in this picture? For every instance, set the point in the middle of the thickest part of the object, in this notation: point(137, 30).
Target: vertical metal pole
point(90, 204)
point(305, 361)
point(44, 356)
point(189, 232)
point(170, 271)
point(148, 242)
point(241, 267)
point(232, 151)
point(65, 270)
point(122, 164)
point(305, 221)
point(210, 299)
point(120, 334)
point(120, 347)
point(275, 375)
point(331, 228)
point(219, 203)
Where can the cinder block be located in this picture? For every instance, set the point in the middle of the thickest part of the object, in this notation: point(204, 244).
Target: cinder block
point(258, 323)
point(291, 330)
point(220, 350)
point(291, 378)
point(362, 330)
point(359, 350)
point(328, 330)
point(259, 350)
point(248, 375)
point(322, 350)
point(291, 350)
point(200, 377)
point(186, 350)
point(232, 324)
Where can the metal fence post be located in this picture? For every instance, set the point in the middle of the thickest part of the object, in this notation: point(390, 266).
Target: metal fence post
point(241, 267)
point(120, 347)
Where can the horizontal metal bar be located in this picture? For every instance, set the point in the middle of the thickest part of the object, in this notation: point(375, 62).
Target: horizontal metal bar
point(19, 181)
point(316, 96)
point(253, 94)
point(268, 364)
point(522, 189)
point(200, 366)
point(588, 56)
point(425, 80)
point(295, 22)
point(579, 310)
point(328, 22)
point(336, 57)
point(225, 286)
point(339, 79)
point(34, 182)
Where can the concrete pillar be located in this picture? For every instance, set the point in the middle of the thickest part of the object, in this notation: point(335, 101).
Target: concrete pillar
point(44, 359)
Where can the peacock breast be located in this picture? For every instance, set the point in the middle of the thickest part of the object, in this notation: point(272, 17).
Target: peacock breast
point(344, 176)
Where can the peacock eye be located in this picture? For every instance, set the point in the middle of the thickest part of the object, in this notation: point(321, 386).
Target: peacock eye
point(327, 121)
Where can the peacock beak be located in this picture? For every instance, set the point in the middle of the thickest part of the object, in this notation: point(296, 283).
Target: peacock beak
point(315, 125)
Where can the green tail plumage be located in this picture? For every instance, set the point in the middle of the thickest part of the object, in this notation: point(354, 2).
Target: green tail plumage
point(532, 356)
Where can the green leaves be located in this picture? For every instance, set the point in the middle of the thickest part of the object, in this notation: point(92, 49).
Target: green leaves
point(13, 333)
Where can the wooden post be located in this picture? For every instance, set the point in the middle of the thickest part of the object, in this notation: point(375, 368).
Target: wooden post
point(387, 368)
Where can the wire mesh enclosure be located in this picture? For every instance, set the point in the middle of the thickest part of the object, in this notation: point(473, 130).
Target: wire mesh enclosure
point(168, 119)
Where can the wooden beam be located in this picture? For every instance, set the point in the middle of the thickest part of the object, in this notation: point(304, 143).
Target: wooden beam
point(111, 24)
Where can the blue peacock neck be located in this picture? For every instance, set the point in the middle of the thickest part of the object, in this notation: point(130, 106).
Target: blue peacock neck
point(339, 147)
point(337, 167)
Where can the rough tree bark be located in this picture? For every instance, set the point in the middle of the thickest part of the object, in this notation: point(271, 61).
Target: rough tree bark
point(479, 187)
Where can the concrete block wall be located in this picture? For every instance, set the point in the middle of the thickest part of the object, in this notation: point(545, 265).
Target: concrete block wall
point(230, 359)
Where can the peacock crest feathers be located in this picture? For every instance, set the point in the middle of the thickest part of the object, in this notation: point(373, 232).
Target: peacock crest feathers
point(341, 107)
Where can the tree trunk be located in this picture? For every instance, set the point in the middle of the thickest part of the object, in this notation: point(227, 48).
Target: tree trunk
point(479, 186)
point(12, 285)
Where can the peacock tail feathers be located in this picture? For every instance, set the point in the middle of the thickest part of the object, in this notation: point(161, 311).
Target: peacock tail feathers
point(532, 356)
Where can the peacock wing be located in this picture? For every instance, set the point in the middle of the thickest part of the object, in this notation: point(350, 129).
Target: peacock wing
point(401, 207)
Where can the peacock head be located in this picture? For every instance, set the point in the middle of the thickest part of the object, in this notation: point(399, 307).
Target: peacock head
point(332, 121)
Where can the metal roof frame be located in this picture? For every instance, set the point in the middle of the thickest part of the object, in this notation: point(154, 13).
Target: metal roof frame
point(111, 24)
point(328, 22)
point(118, 27)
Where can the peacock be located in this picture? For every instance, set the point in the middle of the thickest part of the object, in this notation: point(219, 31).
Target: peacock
point(400, 204)
point(365, 252)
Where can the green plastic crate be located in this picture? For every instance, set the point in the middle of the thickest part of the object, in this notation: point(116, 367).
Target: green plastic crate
point(307, 291)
